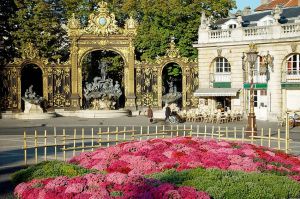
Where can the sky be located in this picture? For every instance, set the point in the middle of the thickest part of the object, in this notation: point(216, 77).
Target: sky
point(241, 4)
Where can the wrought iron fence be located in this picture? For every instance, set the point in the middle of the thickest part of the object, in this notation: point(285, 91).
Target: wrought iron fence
point(65, 144)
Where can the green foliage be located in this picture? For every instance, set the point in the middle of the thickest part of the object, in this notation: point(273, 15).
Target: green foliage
point(174, 18)
point(7, 9)
point(174, 70)
point(115, 65)
point(233, 184)
point(40, 22)
point(48, 169)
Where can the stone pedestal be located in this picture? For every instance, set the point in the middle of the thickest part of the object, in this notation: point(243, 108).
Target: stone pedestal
point(130, 102)
point(32, 108)
point(75, 101)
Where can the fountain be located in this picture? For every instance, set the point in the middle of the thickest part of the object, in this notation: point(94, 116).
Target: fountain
point(100, 98)
point(34, 107)
point(173, 95)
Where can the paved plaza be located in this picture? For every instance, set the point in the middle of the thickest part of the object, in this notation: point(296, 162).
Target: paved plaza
point(11, 135)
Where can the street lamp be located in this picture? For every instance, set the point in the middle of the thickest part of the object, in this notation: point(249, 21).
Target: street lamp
point(252, 55)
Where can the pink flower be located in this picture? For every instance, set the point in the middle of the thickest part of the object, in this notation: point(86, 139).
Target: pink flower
point(75, 188)
point(117, 178)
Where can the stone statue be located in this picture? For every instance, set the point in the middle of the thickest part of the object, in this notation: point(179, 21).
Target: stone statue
point(102, 66)
point(171, 86)
point(103, 92)
point(32, 101)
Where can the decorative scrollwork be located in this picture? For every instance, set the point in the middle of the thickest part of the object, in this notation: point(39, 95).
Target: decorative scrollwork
point(102, 22)
point(59, 100)
point(173, 52)
point(73, 23)
point(147, 99)
point(29, 52)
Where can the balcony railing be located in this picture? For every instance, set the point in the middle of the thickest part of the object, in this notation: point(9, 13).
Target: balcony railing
point(250, 33)
point(291, 76)
point(255, 31)
point(258, 78)
point(220, 77)
point(220, 34)
point(291, 28)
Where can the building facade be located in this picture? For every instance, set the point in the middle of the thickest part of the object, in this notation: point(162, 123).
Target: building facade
point(224, 74)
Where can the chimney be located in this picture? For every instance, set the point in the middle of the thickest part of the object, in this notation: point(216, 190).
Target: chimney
point(262, 2)
point(247, 11)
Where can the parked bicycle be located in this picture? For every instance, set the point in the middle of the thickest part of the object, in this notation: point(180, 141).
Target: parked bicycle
point(294, 120)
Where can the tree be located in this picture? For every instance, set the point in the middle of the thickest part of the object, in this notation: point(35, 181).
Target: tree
point(174, 18)
point(7, 9)
point(39, 22)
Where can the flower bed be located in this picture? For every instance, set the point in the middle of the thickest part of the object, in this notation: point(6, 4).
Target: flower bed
point(127, 164)
point(156, 155)
point(97, 186)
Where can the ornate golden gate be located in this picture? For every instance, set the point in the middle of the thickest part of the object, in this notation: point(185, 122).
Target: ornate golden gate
point(56, 80)
point(62, 82)
point(102, 33)
point(149, 79)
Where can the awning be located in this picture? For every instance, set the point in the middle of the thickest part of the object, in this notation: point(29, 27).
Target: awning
point(215, 92)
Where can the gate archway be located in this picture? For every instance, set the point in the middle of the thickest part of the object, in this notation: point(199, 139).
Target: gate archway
point(102, 33)
point(149, 79)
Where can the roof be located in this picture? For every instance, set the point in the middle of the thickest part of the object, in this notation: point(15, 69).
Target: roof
point(272, 4)
point(288, 14)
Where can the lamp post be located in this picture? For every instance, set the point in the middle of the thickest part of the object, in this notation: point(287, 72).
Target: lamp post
point(251, 59)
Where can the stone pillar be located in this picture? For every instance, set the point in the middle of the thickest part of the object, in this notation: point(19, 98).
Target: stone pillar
point(274, 90)
point(45, 84)
point(129, 77)
point(75, 98)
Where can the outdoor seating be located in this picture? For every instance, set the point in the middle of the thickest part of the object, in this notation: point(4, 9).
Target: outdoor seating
point(212, 116)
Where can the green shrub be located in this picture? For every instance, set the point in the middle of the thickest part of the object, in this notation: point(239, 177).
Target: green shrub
point(233, 184)
point(49, 169)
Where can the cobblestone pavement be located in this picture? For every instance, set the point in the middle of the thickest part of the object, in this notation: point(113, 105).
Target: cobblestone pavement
point(11, 136)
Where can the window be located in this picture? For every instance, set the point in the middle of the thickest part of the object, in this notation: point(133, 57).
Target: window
point(232, 26)
point(293, 65)
point(255, 98)
point(222, 65)
point(267, 23)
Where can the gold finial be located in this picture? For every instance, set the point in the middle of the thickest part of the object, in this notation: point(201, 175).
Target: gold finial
point(173, 52)
point(29, 51)
point(73, 23)
point(252, 47)
point(103, 7)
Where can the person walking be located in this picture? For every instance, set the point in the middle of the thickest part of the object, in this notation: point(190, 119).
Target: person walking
point(150, 114)
point(168, 112)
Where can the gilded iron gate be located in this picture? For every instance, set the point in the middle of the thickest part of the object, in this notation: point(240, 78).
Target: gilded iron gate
point(149, 79)
point(56, 80)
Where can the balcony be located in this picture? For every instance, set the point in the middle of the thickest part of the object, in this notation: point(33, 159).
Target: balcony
point(279, 31)
point(221, 80)
point(291, 76)
point(259, 81)
point(259, 78)
point(220, 77)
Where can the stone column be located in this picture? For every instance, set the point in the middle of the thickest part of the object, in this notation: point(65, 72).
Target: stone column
point(274, 90)
point(129, 76)
point(75, 98)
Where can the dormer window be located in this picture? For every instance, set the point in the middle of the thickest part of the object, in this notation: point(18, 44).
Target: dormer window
point(232, 26)
point(266, 21)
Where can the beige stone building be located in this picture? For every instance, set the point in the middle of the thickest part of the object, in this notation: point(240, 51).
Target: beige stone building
point(224, 76)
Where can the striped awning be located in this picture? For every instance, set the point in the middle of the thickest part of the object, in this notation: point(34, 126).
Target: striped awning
point(215, 92)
